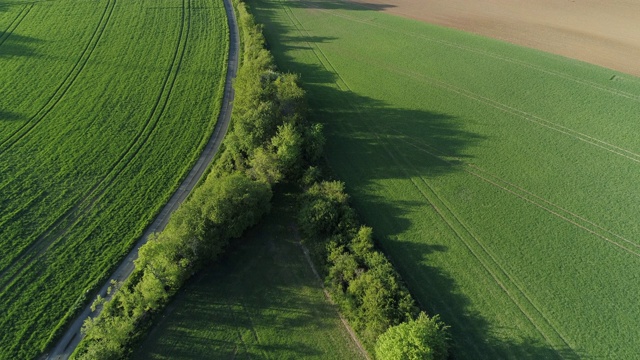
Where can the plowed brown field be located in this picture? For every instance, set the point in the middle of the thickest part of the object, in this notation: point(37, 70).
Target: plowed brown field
point(601, 32)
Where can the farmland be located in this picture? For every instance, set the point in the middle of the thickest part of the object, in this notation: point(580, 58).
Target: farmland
point(105, 106)
point(500, 180)
point(261, 301)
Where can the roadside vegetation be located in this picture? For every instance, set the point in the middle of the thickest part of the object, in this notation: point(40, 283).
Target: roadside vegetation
point(500, 181)
point(270, 141)
point(266, 143)
point(105, 107)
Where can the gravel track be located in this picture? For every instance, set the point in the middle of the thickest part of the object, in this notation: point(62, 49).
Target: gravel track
point(72, 336)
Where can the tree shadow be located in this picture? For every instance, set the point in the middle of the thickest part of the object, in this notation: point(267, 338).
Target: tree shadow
point(378, 141)
point(258, 301)
point(339, 5)
point(10, 116)
point(15, 45)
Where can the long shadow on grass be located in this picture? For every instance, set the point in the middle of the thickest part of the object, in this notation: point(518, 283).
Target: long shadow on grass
point(380, 143)
point(14, 45)
point(9, 116)
point(260, 301)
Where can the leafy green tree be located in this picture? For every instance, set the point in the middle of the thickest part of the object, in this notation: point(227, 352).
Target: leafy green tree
point(264, 166)
point(235, 202)
point(288, 144)
point(314, 142)
point(422, 339)
point(325, 210)
point(290, 97)
point(362, 243)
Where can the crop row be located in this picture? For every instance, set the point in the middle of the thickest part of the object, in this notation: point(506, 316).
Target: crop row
point(123, 103)
point(499, 179)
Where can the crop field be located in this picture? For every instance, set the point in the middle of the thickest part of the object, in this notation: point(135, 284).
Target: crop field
point(105, 106)
point(261, 301)
point(501, 181)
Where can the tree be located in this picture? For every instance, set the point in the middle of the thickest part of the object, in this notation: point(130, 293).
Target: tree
point(422, 339)
point(264, 166)
point(288, 148)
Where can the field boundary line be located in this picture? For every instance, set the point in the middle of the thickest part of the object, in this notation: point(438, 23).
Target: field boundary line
point(15, 23)
point(622, 93)
point(72, 336)
point(494, 103)
point(65, 85)
point(95, 193)
point(514, 112)
point(553, 212)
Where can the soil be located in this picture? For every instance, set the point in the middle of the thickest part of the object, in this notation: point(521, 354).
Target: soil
point(601, 32)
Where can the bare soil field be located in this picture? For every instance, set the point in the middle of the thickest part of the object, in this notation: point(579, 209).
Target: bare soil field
point(601, 32)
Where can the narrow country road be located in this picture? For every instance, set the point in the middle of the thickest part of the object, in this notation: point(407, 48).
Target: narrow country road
point(72, 336)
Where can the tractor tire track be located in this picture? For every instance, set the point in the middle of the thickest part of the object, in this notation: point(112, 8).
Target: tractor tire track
point(597, 86)
point(530, 317)
point(560, 212)
point(612, 148)
point(486, 260)
point(71, 338)
point(65, 85)
point(535, 119)
point(73, 216)
point(15, 23)
point(343, 86)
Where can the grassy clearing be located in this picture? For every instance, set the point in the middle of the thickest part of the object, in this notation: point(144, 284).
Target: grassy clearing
point(106, 105)
point(262, 301)
point(500, 180)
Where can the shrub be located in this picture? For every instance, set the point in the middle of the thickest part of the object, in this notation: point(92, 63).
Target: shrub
point(421, 339)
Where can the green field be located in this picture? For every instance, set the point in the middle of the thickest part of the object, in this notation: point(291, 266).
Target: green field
point(105, 106)
point(502, 181)
point(262, 301)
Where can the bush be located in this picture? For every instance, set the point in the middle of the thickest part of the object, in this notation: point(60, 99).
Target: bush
point(264, 144)
point(421, 339)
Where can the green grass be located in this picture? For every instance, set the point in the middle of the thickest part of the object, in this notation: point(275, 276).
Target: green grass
point(105, 106)
point(262, 301)
point(501, 181)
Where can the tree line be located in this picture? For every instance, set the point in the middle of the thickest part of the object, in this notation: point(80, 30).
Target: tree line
point(269, 141)
point(360, 279)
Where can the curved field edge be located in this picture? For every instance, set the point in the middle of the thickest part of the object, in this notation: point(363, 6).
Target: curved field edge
point(500, 179)
point(105, 205)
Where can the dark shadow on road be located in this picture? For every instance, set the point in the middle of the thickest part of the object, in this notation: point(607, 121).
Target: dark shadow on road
point(377, 141)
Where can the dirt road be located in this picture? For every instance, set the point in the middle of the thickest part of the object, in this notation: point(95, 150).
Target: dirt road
point(601, 32)
point(72, 336)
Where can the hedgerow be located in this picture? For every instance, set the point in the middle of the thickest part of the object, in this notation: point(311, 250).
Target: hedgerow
point(361, 280)
point(265, 145)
